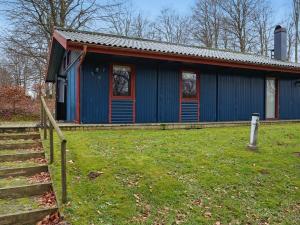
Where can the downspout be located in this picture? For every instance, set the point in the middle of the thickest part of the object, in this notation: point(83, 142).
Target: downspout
point(81, 59)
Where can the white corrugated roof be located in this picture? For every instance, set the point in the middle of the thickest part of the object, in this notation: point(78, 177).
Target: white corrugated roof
point(170, 48)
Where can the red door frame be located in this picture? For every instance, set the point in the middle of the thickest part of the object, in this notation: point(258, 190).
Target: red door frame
point(197, 98)
point(132, 90)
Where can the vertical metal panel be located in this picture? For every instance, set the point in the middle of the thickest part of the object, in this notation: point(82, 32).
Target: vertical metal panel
point(122, 111)
point(296, 99)
point(257, 104)
point(208, 97)
point(146, 93)
point(94, 93)
point(240, 96)
point(168, 94)
point(289, 99)
point(71, 96)
point(226, 98)
point(189, 111)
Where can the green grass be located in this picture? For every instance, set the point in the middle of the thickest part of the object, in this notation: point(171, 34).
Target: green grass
point(19, 118)
point(9, 206)
point(182, 176)
point(19, 141)
point(18, 164)
point(17, 151)
point(13, 181)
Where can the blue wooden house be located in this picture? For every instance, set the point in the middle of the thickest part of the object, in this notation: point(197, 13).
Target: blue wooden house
point(103, 78)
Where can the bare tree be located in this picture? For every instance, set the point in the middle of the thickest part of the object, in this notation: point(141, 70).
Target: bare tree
point(239, 16)
point(263, 27)
point(33, 22)
point(296, 16)
point(290, 38)
point(207, 20)
point(172, 27)
point(5, 77)
point(118, 20)
point(225, 35)
point(141, 27)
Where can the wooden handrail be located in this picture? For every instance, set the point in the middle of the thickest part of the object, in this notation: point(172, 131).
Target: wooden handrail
point(46, 115)
point(52, 121)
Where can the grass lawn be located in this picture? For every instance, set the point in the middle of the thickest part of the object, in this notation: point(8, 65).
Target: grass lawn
point(183, 176)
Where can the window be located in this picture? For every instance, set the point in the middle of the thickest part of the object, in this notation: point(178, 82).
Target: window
point(270, 98)
point(189, 85)
point(121, 83)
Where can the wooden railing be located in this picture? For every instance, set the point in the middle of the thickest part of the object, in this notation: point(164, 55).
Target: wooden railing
point(46, 117)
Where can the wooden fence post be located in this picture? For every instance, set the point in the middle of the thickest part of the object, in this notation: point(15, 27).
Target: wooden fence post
point(51, 142)
point(45, 125)
point(46, 115)
point(42, 115)
point(64, 171)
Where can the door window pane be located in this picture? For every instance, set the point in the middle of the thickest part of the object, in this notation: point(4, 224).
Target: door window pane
point(270, 98)
point(121, 80)
point(189, 85)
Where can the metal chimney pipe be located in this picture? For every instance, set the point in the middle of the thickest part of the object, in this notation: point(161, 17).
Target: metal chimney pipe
point(280, 43)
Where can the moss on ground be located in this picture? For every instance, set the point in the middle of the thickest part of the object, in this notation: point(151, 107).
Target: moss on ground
point(17, 151)
point(9, 206)
point(19, 141)
point(18, 164)
point(182, 176)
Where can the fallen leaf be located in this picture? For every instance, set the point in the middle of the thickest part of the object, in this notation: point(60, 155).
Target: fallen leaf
point(207, 214)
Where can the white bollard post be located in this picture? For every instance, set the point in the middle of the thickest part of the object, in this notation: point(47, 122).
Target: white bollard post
point(254, 131)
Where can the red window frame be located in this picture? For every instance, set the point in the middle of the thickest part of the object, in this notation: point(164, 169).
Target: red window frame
point(197, 98)
point(132, 82)
point(132, 89)
point(197, 85)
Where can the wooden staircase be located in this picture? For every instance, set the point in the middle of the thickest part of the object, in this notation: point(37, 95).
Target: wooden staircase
point(25, 184)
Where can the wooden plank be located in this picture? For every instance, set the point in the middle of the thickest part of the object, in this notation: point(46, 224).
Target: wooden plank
point(52, 120)
point(23, 136)
point(21, 156)
point(25, 190)
point(28, 171)
point(20, 146)
point(29, 217)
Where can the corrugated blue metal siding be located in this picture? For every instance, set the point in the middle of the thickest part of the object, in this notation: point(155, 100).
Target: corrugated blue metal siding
point(208, 97)
point(257, 96)
point(289, 99)
point(122, 111)
point(239, 97)
point(189, 111)
point(168, 94)
point(226, 98)
point(146, 94)
point(94, 93)
point(71, 94)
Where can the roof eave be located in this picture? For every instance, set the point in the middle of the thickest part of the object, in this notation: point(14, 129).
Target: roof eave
point(71, 45)
point(56, 37)
point(113, 50)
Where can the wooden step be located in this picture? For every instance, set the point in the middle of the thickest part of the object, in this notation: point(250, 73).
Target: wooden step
point(21, 136)
point(39, 178)
point(26, 171)
point(27, 217)
point(21, 156)
point(13, 146)
point(25, 190)
point(18, 129)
